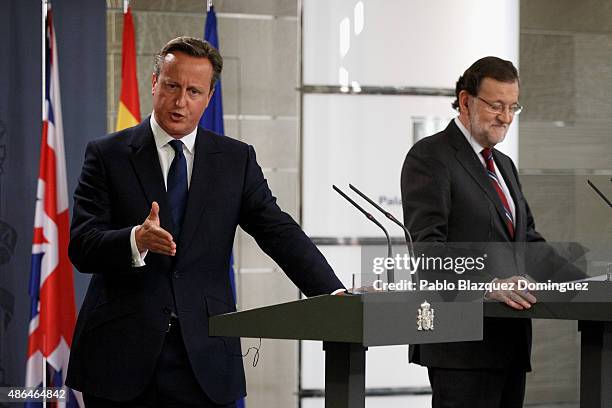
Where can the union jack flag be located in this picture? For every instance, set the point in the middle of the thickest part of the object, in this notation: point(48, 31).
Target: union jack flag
point(52, 308)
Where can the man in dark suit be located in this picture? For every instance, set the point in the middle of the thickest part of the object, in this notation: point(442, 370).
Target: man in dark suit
point(155, 214)
point(462, 197)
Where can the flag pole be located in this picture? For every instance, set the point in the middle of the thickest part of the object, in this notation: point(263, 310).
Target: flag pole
point(126, 4)
point(45, 6)
point(44, 55)
point(209, 4)
point(44, 369)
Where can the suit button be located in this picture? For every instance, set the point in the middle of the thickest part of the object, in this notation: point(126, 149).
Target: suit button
point(167, 310)
point(177, 275)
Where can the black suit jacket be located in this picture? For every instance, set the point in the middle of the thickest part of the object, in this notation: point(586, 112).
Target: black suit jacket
point(451, 208)
point(123, 320)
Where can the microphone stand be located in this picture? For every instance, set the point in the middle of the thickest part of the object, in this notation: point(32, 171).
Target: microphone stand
point(407, 236)
point(603, 197)
point(409, 244)
point(391, 271)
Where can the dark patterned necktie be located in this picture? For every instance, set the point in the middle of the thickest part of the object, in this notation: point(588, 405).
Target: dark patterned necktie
point(177, 185)
point(488, 156)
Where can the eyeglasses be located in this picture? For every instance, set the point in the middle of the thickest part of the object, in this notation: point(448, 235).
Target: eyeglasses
point(499, 108)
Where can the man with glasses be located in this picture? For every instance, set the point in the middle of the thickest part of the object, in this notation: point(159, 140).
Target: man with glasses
point(458, 191)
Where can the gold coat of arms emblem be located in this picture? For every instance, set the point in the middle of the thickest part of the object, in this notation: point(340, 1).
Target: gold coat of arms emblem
point(425, 318)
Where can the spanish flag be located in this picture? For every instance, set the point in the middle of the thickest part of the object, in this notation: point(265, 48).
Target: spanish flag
point(129, 106)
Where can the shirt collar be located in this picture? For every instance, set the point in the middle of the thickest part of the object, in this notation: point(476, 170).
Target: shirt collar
point(162, 138)
point(475, 145)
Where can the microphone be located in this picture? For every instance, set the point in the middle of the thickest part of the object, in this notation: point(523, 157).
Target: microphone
point(603, 197)
point(409, 244)
point(391, 271)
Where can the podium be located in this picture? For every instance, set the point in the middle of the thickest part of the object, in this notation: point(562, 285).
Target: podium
point(593, 311)
point(348, 325)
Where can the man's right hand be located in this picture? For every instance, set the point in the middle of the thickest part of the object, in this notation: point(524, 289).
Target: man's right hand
point(516, 299)
point(151, 237)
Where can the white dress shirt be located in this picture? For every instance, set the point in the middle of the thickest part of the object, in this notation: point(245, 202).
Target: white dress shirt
point(165, 154)
point(478, 150)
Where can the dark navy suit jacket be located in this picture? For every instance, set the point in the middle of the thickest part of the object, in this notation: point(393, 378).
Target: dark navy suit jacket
point(123, 320)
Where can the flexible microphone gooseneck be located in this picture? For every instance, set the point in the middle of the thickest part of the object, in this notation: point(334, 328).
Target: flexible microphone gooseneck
point(390, 216)
point(603, 197)
point(391, 271)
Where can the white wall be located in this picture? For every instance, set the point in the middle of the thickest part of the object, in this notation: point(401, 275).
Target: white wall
point(363, 138)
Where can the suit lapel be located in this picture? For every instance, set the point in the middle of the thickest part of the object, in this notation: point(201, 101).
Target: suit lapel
point(468, 160)
point(203, 174)
point(146, 165)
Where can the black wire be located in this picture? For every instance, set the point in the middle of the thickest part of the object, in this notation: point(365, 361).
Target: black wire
point(256, 356)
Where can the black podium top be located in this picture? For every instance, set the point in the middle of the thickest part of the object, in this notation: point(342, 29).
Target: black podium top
point(593, 304)
point(387, 318)
point(372, 319)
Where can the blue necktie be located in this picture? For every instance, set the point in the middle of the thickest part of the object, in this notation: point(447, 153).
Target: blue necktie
point(177, 185)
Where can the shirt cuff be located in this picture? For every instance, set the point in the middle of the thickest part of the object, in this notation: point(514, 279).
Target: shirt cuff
point(335, 292)
point(137, 257)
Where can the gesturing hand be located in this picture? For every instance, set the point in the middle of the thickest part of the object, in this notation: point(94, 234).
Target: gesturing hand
point(516, 299)
point(151, 237)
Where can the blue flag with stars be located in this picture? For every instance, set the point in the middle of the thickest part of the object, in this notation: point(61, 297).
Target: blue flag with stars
point(212, 119)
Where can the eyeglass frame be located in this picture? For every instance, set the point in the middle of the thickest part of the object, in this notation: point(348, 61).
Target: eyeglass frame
point(515, 109)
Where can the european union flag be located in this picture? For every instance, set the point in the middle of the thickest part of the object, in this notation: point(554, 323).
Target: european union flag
point(212, 119)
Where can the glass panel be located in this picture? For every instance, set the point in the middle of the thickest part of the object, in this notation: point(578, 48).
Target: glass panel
point(363, 140)
point(404, 43)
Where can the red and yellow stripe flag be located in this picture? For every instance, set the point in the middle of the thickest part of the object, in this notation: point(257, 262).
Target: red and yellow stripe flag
point(128, 114)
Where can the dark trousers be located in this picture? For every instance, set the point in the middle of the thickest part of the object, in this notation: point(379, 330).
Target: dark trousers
point(173, 384)
point(456, 388)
